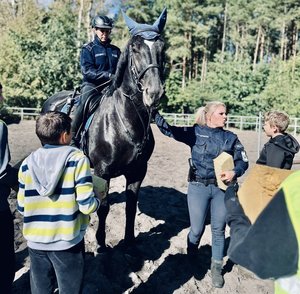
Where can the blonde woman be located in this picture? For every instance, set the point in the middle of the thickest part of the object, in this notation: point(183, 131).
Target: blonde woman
point(208, 139)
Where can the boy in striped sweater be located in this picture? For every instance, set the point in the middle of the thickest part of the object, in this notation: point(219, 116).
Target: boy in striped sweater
point(55, 197)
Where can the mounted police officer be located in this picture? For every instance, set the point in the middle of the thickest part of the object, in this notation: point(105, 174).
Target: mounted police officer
point(98, 62)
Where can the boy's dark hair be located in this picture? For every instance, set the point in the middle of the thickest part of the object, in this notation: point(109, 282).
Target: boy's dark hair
point(0, 86)
point(50, 126)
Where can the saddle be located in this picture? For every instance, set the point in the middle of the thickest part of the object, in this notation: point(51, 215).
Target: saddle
point(68, 105)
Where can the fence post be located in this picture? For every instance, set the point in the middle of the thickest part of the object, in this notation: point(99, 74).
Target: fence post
point(259, 134)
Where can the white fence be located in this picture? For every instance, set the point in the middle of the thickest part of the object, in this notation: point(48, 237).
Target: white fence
point(233, 121)
point(25, 112)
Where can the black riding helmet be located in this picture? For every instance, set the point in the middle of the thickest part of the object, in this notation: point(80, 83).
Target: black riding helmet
point(102, 22)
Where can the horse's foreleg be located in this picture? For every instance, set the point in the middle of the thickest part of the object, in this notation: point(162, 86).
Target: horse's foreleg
point(132, 191)
point(102, 215)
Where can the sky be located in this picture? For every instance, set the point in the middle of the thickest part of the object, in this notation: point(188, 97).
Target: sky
point(113, 3)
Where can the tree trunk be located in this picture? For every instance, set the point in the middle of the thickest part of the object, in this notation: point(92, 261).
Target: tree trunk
point(80, 13)
point(236, 55)
point(204, 68)
point(90, 34)
point(197, 64)
point(282, 41)
point(294, 48)
point(204, 63)
point(224, 33)
point(242, 41)
point(183, 81)
point(256, 48)
point(262, 46)
point(15, 7)
point(191, 68)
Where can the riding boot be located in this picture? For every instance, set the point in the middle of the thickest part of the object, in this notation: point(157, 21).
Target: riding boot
point(75, 142)
point(75, 128)
point(216, 273)
point(192, 249)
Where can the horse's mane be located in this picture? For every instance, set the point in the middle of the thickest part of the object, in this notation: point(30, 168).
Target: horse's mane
point(122, 63)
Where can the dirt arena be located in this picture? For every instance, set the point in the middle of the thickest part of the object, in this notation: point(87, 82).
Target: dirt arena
point(158, 263)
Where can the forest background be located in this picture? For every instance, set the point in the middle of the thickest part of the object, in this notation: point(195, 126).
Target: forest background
point(242, 52)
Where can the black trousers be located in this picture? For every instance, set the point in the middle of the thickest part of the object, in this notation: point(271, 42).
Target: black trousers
point(88, 91)
point(7, 252)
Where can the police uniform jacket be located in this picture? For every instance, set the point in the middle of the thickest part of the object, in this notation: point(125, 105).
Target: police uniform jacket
point(206, 144)
point(98, 61)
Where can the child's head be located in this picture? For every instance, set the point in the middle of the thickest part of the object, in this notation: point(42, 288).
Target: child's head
point(278, 121)
point(54, 128)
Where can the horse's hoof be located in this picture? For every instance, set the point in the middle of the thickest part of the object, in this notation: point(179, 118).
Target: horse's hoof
point(128, 242)
point(103, 249)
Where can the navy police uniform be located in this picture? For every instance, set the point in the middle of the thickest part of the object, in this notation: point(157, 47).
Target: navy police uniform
point(98, 62)
point(203, 193)
point(206, 144)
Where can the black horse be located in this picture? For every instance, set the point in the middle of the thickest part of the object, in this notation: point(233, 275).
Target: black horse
point(120, 139)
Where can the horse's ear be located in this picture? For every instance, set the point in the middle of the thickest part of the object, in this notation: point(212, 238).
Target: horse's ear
point(161, 21)
point(131, 24)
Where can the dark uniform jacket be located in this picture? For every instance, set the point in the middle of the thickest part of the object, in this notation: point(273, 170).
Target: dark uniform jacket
point(270, 247)
point(8, 175)
point(279, 152)
point(98, 61)
point(206, 144)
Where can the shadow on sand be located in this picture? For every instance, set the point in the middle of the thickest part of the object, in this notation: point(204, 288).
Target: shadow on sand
point(126, 269)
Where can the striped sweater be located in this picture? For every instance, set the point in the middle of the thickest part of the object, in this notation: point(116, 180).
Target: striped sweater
point(55, 197)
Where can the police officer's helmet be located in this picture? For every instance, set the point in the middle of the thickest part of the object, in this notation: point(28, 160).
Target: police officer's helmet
point(102, 22)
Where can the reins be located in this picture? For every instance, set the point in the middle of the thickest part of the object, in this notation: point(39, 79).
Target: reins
point(140, 146)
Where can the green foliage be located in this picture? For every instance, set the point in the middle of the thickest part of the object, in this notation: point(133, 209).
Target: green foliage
point(283, 87)
point(39, 55)
point(236, 84)
point(242, 52)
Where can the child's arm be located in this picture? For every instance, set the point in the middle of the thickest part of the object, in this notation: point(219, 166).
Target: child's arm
point(21, 192)
point(85, 196)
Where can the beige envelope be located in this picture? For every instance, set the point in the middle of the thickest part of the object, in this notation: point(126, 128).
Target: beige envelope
point(258, 188)
point(222, 163)
point(100, 187)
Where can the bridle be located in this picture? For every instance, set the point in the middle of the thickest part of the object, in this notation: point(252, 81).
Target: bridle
point(137, 79)
point(138, 75)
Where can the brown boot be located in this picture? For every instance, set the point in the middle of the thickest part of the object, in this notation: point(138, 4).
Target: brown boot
point(216, 273)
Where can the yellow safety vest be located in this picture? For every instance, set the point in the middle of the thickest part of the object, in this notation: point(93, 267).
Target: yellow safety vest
point(291, 285)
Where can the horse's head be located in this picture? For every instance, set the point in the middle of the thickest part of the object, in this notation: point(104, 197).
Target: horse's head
point(144, 56)
point(146, 66)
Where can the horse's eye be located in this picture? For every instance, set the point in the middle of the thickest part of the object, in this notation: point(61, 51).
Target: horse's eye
point(136, 47)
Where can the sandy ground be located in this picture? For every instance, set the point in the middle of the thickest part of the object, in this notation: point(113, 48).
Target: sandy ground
point(158, 262)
